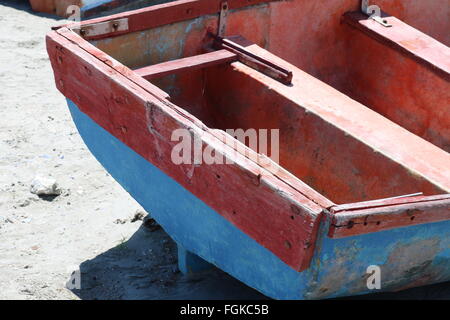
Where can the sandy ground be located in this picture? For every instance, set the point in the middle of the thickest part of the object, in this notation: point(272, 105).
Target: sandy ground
point(91, 224)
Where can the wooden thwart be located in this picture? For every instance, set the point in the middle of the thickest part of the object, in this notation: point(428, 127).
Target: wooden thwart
point(228, 51)
point(191, 63)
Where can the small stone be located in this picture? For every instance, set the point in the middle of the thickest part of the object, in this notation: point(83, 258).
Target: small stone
point(43, 186)
point(26, 291)
point(80, 191)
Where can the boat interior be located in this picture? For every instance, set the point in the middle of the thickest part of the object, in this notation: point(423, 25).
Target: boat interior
point(361, 117)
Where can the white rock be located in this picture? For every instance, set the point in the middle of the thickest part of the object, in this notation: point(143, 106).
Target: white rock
point(80, 191)
point(43, 186)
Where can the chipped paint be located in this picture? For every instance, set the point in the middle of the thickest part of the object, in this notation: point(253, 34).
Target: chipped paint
point(408, 257)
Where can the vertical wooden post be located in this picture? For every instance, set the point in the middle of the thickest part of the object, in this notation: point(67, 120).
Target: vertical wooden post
point(190, 263)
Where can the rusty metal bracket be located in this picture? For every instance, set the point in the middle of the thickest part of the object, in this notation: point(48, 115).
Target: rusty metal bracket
point(374, 12)
point(254, 61)
point(223, 19)
point(97, 29)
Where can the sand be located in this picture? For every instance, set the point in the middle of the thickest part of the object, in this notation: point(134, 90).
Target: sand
point(91, 225)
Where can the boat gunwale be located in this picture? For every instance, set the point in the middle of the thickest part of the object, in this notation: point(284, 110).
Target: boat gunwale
point(357, 219)
point(301, 204)
point(163, 14)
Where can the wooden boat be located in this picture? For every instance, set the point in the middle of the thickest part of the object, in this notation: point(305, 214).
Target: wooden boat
point(90, 8)
point(361, 101)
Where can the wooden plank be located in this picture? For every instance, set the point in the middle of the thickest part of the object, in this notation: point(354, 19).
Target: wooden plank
point(254, 61)
point(406, 39)
point(190, 63)
point(167, 13)
point(278, 171)
point(410, 157)
point(386, 202)
point(348, 221)
point(271, 212)
point(404, 65)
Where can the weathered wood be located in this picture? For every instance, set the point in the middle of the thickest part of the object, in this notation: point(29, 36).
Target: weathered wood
point(120, 68)
point(250, 197)
point(385, 202)
point(411, 69)
point(191, 63)
point(278, 172)
point(367, 217)
point(406, 39)
point(167, 13)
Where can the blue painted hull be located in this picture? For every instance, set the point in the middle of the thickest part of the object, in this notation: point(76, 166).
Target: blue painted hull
point(407, 257)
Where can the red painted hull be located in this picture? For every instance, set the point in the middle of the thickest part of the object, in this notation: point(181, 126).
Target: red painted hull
point(365, 116)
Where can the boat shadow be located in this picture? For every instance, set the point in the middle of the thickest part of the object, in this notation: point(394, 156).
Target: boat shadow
point(145, 267)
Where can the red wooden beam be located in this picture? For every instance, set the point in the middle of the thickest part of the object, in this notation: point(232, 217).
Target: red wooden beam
point(406, 39)
point(116, 65)
point(356, 219)
point(163, 14)
point(185, 64)
point(411, 70)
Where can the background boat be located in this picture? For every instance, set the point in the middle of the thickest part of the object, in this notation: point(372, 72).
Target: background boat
point(90, 8)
